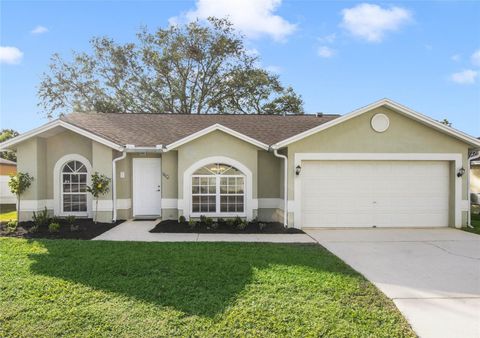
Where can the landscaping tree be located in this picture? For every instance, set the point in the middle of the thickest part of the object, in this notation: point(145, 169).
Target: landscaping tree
point(18, 184)
point(6, 134)
point(187, 69)
point(100, 186)
point(446, 122)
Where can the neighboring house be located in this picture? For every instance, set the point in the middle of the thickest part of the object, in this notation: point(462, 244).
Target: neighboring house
point(7, 168)
point(475, 182)
point(382, 165)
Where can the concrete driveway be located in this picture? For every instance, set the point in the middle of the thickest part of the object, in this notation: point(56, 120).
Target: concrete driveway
point(432, 275)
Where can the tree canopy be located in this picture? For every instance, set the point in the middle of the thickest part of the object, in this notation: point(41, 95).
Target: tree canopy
point(186, 69)
point(6, 134)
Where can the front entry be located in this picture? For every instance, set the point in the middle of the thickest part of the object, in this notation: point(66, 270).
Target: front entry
point(147, 195)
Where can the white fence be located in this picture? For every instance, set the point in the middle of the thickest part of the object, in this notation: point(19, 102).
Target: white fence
point(6, 197)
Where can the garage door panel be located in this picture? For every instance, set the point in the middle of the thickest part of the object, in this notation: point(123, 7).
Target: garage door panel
point(375, 193)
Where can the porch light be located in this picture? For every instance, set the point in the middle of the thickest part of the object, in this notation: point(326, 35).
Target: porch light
point(298, 169)
point(461, 172)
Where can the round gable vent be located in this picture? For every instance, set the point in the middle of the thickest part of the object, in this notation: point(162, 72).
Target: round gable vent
point(380, 122)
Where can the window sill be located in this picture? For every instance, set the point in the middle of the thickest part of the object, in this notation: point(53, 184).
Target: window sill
point(220, 215)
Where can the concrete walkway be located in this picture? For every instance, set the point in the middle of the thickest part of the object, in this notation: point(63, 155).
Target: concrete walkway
point(432, 275)
point(139, 231)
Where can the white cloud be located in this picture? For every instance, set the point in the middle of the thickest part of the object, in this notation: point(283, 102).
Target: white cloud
point(372, 22)
point(254, 18)
point(330, 38)
point(10, 55)
point(476, 58)
point(39, 30)
point(325, 52)
point(456, 57)
point(467, 76)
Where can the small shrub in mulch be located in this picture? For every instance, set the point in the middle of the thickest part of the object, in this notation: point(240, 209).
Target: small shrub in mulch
point(81, 228)
point(221, 226)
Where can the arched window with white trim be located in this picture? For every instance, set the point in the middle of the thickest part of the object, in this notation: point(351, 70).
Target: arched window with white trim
point(218, 189)
point(74, 188)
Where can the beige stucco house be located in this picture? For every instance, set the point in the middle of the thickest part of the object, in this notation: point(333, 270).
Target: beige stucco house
point(382, 165)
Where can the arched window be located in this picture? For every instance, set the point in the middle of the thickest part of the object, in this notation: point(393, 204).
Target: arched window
point(218, 189)
point(74, 188)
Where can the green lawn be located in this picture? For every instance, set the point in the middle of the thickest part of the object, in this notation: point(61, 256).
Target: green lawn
point(475, 224)
point(87, 288)
point(7, 216)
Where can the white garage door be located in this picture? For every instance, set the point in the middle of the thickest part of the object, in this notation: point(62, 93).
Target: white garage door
point(374, 193)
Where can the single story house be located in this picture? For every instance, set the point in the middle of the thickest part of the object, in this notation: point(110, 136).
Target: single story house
point(383, 165)
point(7, 168)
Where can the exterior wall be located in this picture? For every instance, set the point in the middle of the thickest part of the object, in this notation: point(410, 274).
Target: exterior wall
point(60, 145)
point(7, 199)
point(7, 169)
point(38, 156)
point(270, 187)
point(31, 159)
point(475, 179)
point(356, 136)
point(102, 157)
point(217, 143)
point(475, 186)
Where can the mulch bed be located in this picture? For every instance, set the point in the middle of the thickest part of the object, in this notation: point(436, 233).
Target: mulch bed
point(87, 229)
point(173, 226)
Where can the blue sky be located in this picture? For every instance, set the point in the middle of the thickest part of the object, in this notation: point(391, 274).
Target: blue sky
point(339, 55)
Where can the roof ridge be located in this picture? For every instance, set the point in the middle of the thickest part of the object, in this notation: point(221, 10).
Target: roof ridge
point(215, 114)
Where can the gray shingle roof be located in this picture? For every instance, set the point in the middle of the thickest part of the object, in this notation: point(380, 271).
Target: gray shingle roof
point(152, 129)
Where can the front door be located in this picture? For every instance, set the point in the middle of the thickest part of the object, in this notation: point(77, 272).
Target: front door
point(147, 195)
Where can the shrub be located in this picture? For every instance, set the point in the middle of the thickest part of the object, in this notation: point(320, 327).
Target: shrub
point(242, 225)
point(254, 221)
point(208, 222)
point(11, 226)
point(203, 219)
point(220, 221)
point(71, 222)
point(54, 227)
point(236, 221)
point(192, 223)
point(182, 219)
point(261, 226)
point(70, 219)
point(230, 222)
point(41, 219)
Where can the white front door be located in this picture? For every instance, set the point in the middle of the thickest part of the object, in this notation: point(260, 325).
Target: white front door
point(147, 195)
point(375, 193)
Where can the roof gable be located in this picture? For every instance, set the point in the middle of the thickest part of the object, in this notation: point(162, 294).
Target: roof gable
point(393, 106)
point(55, 125)
point(213, 128)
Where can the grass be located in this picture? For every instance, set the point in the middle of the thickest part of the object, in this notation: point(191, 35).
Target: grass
point(88, 288)
point(7, 216)
point(475, 221)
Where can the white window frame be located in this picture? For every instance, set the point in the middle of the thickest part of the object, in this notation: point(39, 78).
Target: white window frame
point(218, 194)
point(57, 185)
point(63, 193)
point(185, 202)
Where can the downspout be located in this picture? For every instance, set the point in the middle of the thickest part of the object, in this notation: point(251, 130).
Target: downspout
point(285, 186)
point(475, 155)
point(114, 183)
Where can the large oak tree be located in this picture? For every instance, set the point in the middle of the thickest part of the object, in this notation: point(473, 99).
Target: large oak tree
point(186, 69)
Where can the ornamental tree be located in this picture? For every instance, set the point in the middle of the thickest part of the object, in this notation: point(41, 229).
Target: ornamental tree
point(18, 184)
point(100, 186)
